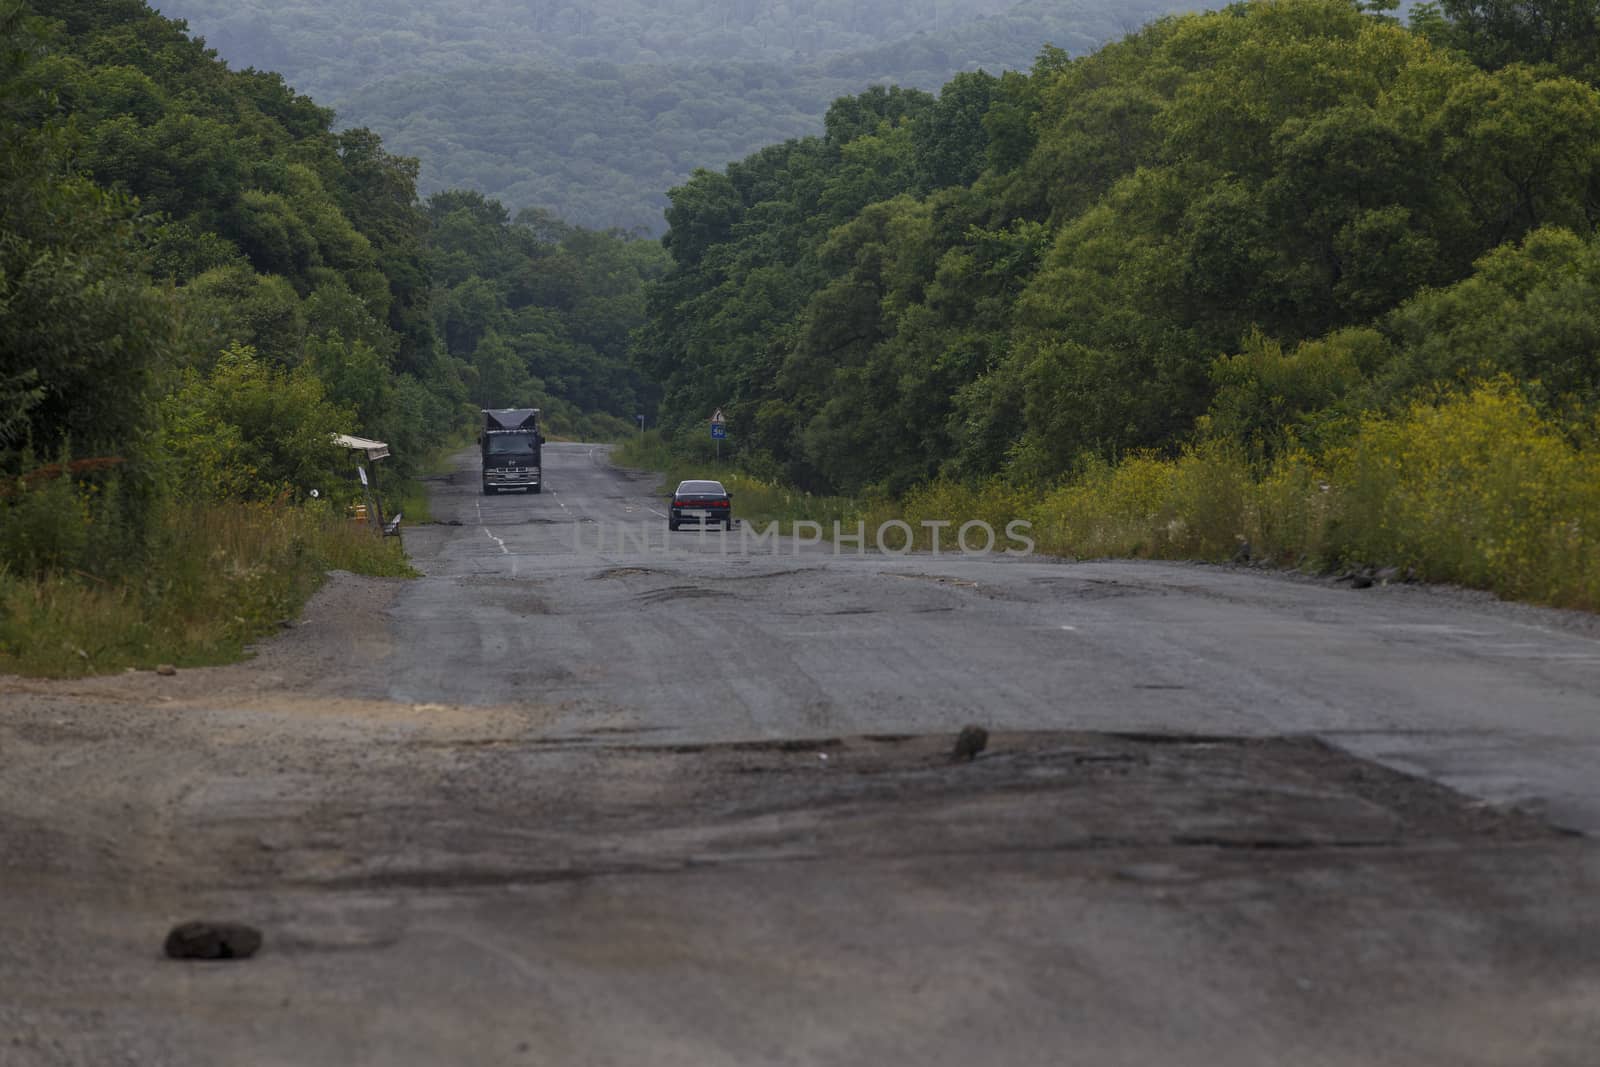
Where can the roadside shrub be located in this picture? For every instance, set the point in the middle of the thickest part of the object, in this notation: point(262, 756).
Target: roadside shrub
point(1267, 398)
point(71, 516)
point(1209, 504)
point(1290, 509)
point(1478, 489)
point(44, 526)
point(1111, 509)
point(249, 431)
point(992, 501)
point(1195, 506)
point(217, 577)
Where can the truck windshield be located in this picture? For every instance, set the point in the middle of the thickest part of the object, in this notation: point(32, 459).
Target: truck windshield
point(502, 443)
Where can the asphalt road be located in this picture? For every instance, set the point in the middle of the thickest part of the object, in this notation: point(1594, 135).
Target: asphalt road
point(589, 794)
point(580, 597)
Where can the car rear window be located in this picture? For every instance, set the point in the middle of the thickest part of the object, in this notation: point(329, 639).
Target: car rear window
point(700, 489)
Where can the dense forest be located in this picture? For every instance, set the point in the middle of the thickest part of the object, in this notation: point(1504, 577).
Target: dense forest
point(1272, 216)
point(202, 281)
point(539, 312)
point(1292, 274)
point(235, 220)
point(592, 112)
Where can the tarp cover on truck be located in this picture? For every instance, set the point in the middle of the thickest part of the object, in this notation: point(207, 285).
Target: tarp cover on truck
point(511, 418)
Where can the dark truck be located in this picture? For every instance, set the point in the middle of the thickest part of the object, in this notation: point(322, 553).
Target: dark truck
point(510, 442)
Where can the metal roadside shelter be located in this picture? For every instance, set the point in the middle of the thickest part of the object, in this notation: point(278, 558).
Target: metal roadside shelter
point(373, 451)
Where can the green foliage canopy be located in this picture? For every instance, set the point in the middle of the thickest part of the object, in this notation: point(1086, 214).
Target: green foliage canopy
point(539, 312)
point(1034, 270)
point(191, 263)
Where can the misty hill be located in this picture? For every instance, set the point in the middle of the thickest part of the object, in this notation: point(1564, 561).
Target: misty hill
point(592, 111)
point(331, 47)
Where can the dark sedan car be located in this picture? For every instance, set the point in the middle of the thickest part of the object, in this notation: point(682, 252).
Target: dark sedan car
point(703, 502)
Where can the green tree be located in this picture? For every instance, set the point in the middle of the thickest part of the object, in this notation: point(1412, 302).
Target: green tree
point(249, 431)
point(1530, 310)
point(269, 232)
point(952, 144)
point(83, 331)
point(1097, 244)
point(540, 311)
point(1496, 33)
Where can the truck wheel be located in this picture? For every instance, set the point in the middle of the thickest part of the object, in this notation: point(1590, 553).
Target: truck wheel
point(490, 490)
point(538, 489)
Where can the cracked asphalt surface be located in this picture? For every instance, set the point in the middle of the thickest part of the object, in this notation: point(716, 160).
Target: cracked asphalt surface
point(590, 794)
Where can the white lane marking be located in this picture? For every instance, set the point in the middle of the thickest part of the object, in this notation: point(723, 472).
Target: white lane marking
point(653, 511)
point(1064, 626)
point(497, 540)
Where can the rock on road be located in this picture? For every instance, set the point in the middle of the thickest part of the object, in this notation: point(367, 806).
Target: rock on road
point(590, 792)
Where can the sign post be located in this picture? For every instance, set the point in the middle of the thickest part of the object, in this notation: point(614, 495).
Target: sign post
point(719, 431)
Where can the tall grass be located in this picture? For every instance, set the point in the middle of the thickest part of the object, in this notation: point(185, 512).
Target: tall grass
point(216, 578)
point(1478, 489)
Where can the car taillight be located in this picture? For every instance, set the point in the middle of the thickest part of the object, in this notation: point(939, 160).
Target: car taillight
point(677, 503)
point(720, 503)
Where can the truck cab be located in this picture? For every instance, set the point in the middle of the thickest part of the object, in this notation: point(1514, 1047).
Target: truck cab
point(511, 444)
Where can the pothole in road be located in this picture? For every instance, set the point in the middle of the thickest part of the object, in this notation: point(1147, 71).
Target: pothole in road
point(680, 592)
point(1075, 588)
point(501, 522)
point(938, 579)
point(1200, 803)
point(623, 572)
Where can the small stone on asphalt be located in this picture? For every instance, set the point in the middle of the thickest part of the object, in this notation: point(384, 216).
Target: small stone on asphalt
point(213, 941)
point(969, 742)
